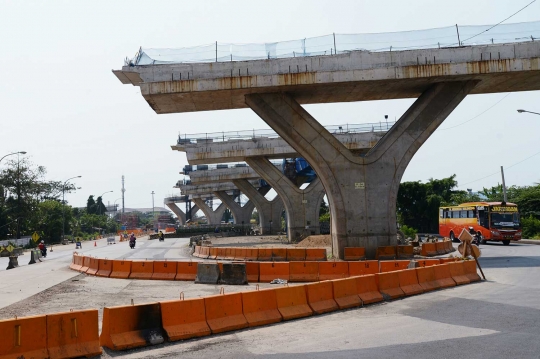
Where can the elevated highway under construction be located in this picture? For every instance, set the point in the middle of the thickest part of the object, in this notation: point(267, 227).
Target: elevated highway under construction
point(361, 189)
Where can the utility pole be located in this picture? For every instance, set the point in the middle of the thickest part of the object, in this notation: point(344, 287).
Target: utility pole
point(123, 190)
point(153, 213)
point(505, 199)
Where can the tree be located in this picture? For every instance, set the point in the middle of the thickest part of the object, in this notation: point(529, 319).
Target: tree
point(91, 205)
point(418, 203)
point(23, 188)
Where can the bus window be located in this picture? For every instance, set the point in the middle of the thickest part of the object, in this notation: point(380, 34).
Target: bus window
point(441, 213)
point(463, 214)
point(470, 214)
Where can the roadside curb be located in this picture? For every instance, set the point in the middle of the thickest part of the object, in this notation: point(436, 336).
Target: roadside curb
point(529, 241)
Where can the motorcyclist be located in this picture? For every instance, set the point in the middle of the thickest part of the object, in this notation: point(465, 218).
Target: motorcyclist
point(161, 236)
point(132, 240)
point(42, 248)
point(477, 236)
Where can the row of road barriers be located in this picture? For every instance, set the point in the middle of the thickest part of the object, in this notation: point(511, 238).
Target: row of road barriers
point(75, 334)
point(264, 272)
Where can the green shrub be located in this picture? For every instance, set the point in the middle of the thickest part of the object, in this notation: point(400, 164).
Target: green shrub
point(408, 231)
point(530, 226)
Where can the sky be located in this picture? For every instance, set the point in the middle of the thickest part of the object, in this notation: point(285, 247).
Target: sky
point(61, 103)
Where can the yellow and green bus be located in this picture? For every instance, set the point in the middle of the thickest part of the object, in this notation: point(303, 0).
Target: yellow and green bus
point(496, 221)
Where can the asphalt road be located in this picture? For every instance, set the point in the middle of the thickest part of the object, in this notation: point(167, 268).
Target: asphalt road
point(498, 318)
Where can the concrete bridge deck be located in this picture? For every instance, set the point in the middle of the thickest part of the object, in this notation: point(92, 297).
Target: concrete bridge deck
point(355, 76)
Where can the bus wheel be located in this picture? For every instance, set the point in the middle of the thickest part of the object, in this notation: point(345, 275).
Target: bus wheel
point(452, 237)
point(506, 242)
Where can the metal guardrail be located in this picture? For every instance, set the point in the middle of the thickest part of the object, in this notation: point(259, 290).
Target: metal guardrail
point(443, 37)
point(267, 133)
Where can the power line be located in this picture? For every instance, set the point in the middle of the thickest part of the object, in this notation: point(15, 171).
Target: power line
point(480, 114)
point(480, 33)
point(493, 174)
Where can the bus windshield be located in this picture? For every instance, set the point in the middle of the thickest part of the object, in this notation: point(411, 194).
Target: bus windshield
point(499, 220)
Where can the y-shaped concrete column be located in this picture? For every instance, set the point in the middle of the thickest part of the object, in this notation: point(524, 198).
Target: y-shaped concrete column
point(361, 191)
point(241, 215)
point(212, 216)
point(179, 213)
point(269, 211)
point(302, 206)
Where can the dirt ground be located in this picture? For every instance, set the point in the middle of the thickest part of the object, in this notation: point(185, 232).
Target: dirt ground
point(322, 240)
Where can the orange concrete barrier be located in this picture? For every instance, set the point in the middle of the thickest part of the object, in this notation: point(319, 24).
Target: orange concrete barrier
point(439, 247)
point(186, 270)
point(443, 276)
point(269, 271)
point(93, 266)
point(315, 254)
point(429, 249)
point(141, 270)
point(333, 270)
point(224, 312)
point(426, 278)
point(75, 262)
point(240, 254)
point(197, 251)
point(260, 307)
point(265, 254)
point(86, 265)
point(388, 284)
point(164, 270)
point(221, 253)
point(279, 254)
point(205, 252)
point(448, 260)
point(408, 282)
point(184, 319)
point(457, 270)
point(73, 334)
point(104, 268)
point(133, 326)
point(296, 254)
point(355, 253)
point(252, 271)
point(390, 266)
point(363, 268)
point(24, 337)
point(428, 262)
point(386, 253)
point(448, 246)
point(470, 270)
point(229, 253)
point(405, 252)
point(292, 302)
point(346, 293)
point(303, 271)
point(367, 290)
point(121, 269)
point(213, 253)
point(320, 297)
point(252, 254)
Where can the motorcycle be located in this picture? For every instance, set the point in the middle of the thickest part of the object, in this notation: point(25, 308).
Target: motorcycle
point(477, 237)
point(44, 252)
point(132, 243)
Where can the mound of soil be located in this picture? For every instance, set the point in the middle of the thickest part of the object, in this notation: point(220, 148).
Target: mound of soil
point(322, 240)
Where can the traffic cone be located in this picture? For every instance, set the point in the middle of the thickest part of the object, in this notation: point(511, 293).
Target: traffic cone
point(95, 244)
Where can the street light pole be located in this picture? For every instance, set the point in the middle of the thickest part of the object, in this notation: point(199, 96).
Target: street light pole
point(14, 153)
point(64, 206)
point(534, 113)
point(153, 213)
